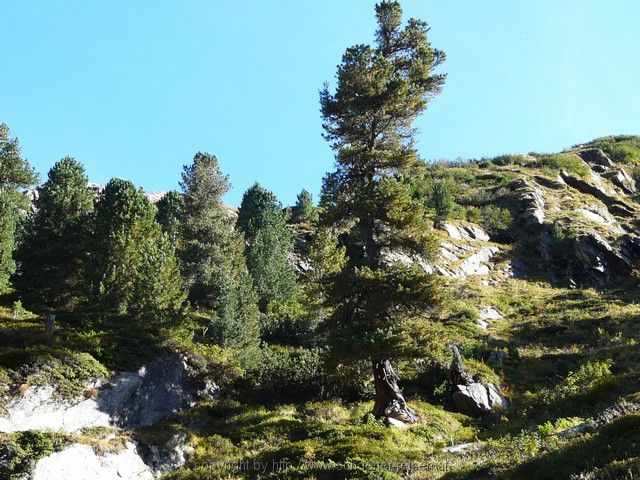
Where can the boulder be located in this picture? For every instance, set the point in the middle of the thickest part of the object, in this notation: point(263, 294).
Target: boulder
point(472, 396)
point(478, 399)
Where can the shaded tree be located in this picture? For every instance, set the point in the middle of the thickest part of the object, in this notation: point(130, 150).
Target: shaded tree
point(268, 245)
point(51, 254)
point(169, 215)
point(378, 304)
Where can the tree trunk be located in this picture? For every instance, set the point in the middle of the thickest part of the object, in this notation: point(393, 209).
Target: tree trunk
point(389, 400)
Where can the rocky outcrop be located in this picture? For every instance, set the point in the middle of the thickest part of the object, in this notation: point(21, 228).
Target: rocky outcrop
point(81, 462)
point(466, 232)
point(600, 163)
point(472, 396)
point(603, 418)
point(131, 399)
point(599, 259)
point(615, 206)
point(531, 202)
point(164, 389)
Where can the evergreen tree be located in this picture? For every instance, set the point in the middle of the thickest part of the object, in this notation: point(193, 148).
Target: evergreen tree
point(132, 262)
point(268, 245)
point(52, 250)
point(442, 200)
point(15, 174)
point(304, 209)
point(212, 257)
point(169, 215)
point(379, 305)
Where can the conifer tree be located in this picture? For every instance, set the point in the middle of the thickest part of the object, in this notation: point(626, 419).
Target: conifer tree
point(169, 215)
point(212, 257)
point(378, 304)
point(304, 209)
point(15, 175)
point(132, 262)
point(53, 247)
point(268, 245)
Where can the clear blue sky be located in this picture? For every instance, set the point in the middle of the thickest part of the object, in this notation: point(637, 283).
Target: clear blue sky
point(134, 88)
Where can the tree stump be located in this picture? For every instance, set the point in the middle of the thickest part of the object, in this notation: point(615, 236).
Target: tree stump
point(50, 324)
point(390, 402)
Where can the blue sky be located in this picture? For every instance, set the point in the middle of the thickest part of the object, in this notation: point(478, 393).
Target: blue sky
point(134, 89)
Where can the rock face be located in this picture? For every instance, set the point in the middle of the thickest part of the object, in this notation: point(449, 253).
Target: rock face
point(130, 399)
point(615, 206)
point(602, 164)
point(39, 409)
point(80, 462)
point(599, 259)
point(163, 389)
point(472, 396)
point(531, 201)
point(466, 232)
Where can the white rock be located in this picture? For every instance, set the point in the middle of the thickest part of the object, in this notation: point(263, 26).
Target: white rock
point(490, 313)
point(38, 409)
point(80, 462)
point(466, 232)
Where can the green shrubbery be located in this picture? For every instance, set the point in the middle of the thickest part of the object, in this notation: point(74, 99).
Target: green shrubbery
point(20, 451)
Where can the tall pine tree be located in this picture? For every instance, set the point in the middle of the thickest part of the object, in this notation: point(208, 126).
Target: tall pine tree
point(15, 175)
point(378, 304)
point(133, 267)
point(212, 257)
point(52, 250)
point(268, 245)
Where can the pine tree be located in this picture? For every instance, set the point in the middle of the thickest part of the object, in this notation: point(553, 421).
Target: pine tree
point(378, 304)
point(304, 209)
point(212, 257)
point(268, 245)
point(169, 215)
point(15, 175)
point(442, 201)
point(133, 267)
point(53, 246)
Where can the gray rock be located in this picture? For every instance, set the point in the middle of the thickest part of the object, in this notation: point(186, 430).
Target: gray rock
point(466, 232)
point(599, 259)
point(615, 206)
point(478, 399)
point(472, 396)
point(168, 456)
point(531, 201)
point(165, 388)
point(595, 156)
point(621, 179)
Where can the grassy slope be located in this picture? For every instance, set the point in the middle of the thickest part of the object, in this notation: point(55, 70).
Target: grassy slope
point(571, 353)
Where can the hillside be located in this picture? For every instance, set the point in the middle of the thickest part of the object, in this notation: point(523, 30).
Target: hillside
point(538, 257)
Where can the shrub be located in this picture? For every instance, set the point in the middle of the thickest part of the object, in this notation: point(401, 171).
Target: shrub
point(287, 372)
point(562, 161)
